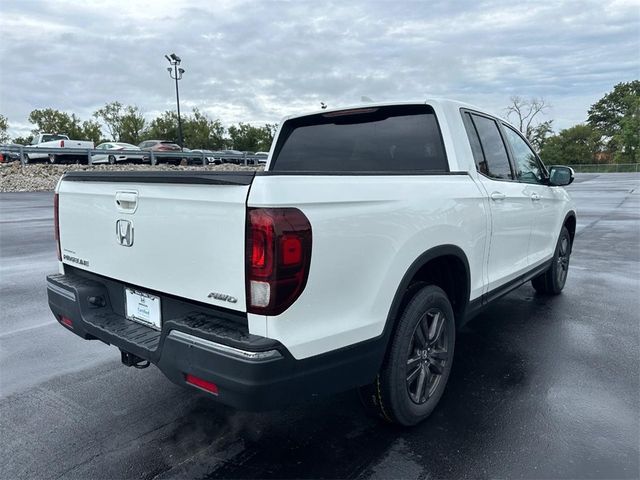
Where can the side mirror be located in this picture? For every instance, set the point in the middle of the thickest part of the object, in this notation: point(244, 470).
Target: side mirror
point(560, 176)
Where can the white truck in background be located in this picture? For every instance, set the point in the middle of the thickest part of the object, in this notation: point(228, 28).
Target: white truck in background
point(58, 142)
point(373, 234)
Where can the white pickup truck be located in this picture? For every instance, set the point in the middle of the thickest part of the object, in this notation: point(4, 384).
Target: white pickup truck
point(59, 143)
point(371, 236)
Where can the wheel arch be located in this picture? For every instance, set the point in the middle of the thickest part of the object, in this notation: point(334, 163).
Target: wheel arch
point(439, 266)
point(570, 222)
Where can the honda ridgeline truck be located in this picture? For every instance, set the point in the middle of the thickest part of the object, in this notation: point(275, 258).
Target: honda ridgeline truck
point(373, 233)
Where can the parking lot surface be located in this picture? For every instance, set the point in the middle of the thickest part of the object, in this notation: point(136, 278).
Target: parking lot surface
point(541, 387)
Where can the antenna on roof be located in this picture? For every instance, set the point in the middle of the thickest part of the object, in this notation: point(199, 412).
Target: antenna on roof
point(323, 105)
point(366, 99)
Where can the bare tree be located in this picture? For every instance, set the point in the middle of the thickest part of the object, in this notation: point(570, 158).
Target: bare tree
point(523, 113)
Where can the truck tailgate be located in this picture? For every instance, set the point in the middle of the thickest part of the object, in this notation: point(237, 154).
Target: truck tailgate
point(180, 233)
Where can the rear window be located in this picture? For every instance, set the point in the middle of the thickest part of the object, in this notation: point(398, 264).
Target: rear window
point(53, 138)
point(378, 139)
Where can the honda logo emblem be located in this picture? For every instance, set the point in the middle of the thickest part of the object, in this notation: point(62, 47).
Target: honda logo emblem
point(124, 233)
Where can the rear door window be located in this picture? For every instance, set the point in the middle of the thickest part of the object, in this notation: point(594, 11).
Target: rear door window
point(474, 141)
point(377, 139)
point(493, 148)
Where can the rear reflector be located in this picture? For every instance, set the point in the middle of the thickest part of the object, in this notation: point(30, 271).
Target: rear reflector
point(202, 384)
point(56, 223)
point(66, 321)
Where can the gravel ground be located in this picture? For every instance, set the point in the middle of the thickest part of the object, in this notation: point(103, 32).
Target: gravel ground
point(42, 177)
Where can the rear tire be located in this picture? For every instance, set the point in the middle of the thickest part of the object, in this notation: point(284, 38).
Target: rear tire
point(53, 159)
point(552, 281)
point(417, 366)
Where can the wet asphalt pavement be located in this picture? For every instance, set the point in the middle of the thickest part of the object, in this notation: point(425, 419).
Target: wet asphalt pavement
point(541, 387)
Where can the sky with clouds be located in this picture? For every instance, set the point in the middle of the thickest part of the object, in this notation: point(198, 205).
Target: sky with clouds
point(258, 61)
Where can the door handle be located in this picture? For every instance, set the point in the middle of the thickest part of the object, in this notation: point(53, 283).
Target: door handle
point(535, 197)
point(497, 196)
point(127, 201)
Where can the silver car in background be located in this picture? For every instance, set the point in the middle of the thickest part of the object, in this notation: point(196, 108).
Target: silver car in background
point(113, 153)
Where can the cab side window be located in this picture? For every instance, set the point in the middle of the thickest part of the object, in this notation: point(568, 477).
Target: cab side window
point(489, 151)
point(474, 141)
point(528, 169)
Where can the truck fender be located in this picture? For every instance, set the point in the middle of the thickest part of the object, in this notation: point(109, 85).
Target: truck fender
point(418, 263)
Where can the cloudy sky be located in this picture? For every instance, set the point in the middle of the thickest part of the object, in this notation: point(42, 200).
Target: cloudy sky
point(258, 61)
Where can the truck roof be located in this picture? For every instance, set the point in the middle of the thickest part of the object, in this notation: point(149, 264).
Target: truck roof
point(443, 102)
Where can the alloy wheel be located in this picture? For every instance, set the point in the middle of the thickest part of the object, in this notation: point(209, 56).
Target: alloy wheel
point(428, 356)
point(563, 261)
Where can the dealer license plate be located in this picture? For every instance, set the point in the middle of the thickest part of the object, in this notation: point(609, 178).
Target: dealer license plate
point(143, 307)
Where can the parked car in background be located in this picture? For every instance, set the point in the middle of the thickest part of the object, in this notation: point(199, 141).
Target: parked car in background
point(262, 157)
point(112, 153)
point(163, 147)
point(230, 156)
point(208, 157)
point(9, 156)
point(61, 142)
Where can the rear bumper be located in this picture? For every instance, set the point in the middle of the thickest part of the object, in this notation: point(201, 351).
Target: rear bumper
point(251, 372)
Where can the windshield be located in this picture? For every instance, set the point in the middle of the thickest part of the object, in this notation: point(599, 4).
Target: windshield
point(378, 139)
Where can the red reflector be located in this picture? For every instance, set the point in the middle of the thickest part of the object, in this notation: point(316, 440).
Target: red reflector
point(291, 250)
point(200, 383)
point(258, 251)
point(66, 321)
point(56, 224)
point(61, 143)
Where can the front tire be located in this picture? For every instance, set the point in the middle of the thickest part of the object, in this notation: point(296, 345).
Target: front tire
point(415, 372)
point(552, 281)
point(112, 160)
point(53, 159)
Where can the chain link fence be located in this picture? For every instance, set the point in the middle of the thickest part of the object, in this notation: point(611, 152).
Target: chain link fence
point(606, 168)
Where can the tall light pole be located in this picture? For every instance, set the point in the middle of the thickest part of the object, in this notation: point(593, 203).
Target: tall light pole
point(176, 74)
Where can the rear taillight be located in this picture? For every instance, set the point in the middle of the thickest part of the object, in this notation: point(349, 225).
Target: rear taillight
point(61, 143)
point(56, 224)
point(277, 259)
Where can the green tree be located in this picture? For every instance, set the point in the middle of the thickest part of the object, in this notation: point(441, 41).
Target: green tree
point(23, 140)
point(49, 120)
point(132, 125)
point(91, 131)
point(164, 127)
point(202, 132)
point(249, 138)
point(616, 117)
point(628, 137)
point(124, 123)
point(575, 145)
point(539, 135)
point(199, 131)
point(4, 126)
point(111, 115)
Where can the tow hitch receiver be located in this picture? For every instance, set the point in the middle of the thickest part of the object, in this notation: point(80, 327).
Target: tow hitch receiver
point(131, 360)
